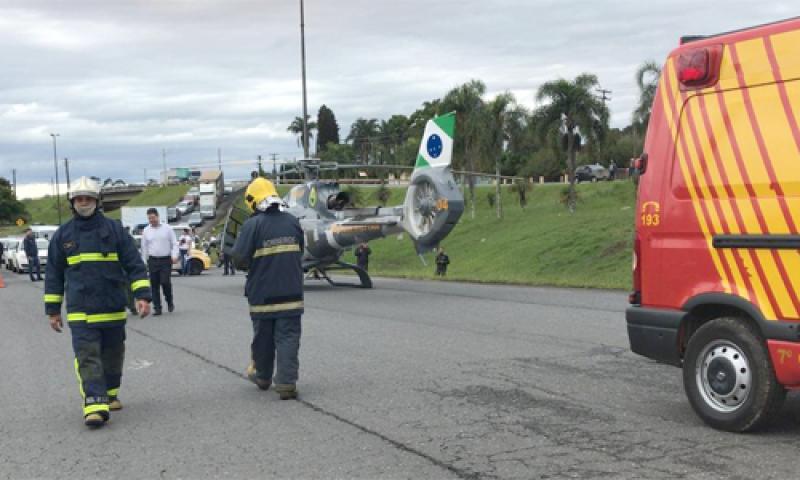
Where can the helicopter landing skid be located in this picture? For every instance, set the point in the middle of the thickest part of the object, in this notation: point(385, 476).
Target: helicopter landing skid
point(366, 281)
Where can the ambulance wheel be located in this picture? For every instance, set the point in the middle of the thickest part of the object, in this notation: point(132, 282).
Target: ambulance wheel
point(195, 267)
point(728, 376)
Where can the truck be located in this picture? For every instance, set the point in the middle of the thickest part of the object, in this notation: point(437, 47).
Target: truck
point(208, 205)
point(136, 217)
point(716, 271)
point(212, 189)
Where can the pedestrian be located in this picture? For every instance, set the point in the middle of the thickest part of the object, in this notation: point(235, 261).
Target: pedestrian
point(270, 246)
point(612, 170)
point(32, 252)
point(227, 261)
point(184, 245)
point(160, 251)
point(442, 261)
point(90, 259)
point(362, 256)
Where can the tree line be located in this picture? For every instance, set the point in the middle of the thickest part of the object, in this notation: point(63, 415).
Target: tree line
point(570, 127)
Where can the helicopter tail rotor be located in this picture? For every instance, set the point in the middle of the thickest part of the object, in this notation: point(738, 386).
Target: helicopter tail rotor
point(433, 203)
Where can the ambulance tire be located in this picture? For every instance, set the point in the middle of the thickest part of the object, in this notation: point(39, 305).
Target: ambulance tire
point(721, 351)
point(195, 267)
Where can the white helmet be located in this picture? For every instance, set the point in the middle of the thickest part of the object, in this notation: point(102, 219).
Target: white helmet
point(85, 186)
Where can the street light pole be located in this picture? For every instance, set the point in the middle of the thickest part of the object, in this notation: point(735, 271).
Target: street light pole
point(303, 57)
point(66, 169)
point(55, 164)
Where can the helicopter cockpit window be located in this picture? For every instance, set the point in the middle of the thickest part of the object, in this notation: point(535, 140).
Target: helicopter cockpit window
point(296, 196)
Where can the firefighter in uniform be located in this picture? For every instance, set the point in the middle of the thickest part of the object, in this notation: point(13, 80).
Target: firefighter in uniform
point(90, 262)
point(270, 246)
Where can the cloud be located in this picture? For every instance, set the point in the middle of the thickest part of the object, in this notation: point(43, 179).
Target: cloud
point(120, 81)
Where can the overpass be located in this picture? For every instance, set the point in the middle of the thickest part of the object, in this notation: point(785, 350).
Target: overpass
point(115, 197)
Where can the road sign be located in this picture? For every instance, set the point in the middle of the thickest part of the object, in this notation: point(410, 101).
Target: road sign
point(20, 222)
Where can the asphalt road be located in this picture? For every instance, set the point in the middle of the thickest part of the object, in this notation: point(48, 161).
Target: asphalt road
point(409, 380)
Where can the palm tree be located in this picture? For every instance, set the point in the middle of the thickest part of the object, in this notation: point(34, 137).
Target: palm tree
point(362, 133)
point(296, 127)
point(647, 77)
point(574, 111)
point(500, 112)
point(468, 104)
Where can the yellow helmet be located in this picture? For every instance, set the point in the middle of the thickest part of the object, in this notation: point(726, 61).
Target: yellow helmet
point(260, 191)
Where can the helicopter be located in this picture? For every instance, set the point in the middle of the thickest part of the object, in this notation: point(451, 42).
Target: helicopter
point(431, 209)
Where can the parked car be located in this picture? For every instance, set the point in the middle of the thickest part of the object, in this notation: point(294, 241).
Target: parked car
point(19, 261)
point(173, 215)
point(195, 219)
point(9, 245)
point(591, 173)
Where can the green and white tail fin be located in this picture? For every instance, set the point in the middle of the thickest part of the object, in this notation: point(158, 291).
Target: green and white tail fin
point(436, 149)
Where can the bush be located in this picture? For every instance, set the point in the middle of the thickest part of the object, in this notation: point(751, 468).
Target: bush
point(355, 194)
point(382, 194)
point(491, 198)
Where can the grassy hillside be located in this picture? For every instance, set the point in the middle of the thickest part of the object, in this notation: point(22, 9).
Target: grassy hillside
point(43, 210)
point(155, 196)
point(540, 245)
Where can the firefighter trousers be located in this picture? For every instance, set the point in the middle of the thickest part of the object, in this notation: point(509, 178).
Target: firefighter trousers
point(277, 337)
point(99, 354)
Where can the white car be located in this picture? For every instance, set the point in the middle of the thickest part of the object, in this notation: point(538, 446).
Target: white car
point(9, 245)
point(19, 261)
point(195, 219)
point(184, 207)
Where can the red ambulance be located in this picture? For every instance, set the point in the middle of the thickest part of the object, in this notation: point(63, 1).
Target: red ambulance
point(716, 269)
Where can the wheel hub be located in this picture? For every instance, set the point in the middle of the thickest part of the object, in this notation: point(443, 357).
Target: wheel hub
point(723, 376)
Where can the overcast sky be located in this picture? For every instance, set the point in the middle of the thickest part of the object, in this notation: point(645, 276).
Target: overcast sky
point(120, 80)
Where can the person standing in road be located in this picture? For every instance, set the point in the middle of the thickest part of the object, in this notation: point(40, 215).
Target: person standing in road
point(160, 251)
point(90, 260)
point(270, 246)
point(32, 252)
point(228, 263)
point(184, 245)
point(442, 261)
point(362, 256)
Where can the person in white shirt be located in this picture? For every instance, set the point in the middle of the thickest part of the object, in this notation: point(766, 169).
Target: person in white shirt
point(185, 243)
point(160, 252)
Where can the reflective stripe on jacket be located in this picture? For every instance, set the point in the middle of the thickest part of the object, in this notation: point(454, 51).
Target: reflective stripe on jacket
point(95, 260)
point(271, 245)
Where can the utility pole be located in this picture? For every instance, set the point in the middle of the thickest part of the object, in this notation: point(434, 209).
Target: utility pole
point(303, 57)
point(14, 179)
point(219, 159)
point(259, 166)
point(604, 95)
point(55, 164)
point(274, 167)
point(66, 169)
point(164, 162)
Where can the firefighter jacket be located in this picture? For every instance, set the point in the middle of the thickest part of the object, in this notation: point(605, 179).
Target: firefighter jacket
point(270, 246)
point(93, 259)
